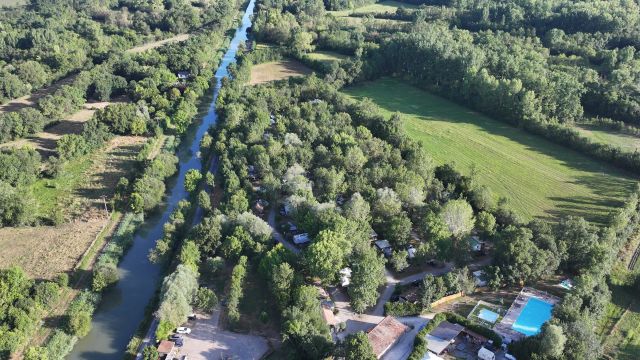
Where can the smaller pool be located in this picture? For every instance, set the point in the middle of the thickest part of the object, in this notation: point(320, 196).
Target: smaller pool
point(488, 315)
point(534, 314)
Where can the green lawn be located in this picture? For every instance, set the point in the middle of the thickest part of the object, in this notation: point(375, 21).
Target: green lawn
point(326, 56)
point(380, 7)
point(50, 194)
point(620, 329)
point(626, 142)
point(540, 179)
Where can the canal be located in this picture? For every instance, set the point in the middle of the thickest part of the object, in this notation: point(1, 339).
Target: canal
point(122, 307)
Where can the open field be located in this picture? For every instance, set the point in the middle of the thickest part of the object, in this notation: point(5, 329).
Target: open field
point(381, 7)
point(277, 70)
point(624, 141)
point(326, 56)
point(44, 251)
point(620, 329)
point(539, 178)
point(155, 44)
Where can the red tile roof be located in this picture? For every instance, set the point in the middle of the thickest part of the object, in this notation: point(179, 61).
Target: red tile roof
point(385, 334)
point(165, 346)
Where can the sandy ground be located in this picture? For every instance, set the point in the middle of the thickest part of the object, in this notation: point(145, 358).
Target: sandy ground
point(155, 44)
point(208, 341)
point(277, 70)
point(45, 141)
point(45, 251)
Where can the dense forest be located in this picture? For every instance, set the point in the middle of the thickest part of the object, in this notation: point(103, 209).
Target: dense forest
point(49, 40)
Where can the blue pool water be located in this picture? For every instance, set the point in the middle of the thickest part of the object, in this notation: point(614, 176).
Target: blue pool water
point(488, 315)
point(534, 314)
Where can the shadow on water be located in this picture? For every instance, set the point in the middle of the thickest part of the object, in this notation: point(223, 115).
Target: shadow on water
point(122, 307)
point(608, 183)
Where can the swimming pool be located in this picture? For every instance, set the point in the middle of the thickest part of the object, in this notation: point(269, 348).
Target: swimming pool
point(534, 314)
point(488, 315)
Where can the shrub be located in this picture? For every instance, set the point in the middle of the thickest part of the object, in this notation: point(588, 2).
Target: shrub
point(205, 299)
point(60, 345)
point(235, 292)
point(402, 308)
point(164, 329)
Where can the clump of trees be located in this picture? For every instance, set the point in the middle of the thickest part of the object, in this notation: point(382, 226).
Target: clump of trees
point(22, 303)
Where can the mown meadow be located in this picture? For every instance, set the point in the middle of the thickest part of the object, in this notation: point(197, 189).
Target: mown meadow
point(539, 178)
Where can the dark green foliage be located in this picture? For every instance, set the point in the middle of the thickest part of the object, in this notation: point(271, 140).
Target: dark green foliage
point(358, 347)
point(205, 300)
point(17, 124)
point(236, 289)
point(304, 326)
point(124, 119)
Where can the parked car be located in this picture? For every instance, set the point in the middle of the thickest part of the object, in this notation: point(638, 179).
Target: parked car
point(175, 337)
point(179, 342)
point(183, 330)
point(192, 316)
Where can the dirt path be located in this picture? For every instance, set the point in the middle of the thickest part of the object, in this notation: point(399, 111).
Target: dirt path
point(155, 44)
point(45, 141)
point(32, 99)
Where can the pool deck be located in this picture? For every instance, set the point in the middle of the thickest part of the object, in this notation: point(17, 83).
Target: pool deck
point(504, 327)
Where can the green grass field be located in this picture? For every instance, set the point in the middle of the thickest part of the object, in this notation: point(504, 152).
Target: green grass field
point(380, 7)
point(624, 141)
point(539, 178)
point(326, 56)
point(620, 328)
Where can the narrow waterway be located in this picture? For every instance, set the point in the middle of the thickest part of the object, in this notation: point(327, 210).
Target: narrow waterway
point(122, 307)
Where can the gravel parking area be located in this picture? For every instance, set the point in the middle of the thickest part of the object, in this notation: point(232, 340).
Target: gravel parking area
point(208, 341)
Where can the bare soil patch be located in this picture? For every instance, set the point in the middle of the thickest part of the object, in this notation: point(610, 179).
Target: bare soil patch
point(45, 251)
point(155, 44)
point(277, 70)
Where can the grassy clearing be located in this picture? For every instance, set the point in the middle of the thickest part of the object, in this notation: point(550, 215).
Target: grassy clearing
point(158, 43)
point(258, 310)
point(540, 179)
point(45, 251)
point(327, 56)
point(277, 70)
point(597, 134)
point(620, 330)
point(377, 8)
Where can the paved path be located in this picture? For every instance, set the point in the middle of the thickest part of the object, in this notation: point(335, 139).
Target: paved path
point(149, 338)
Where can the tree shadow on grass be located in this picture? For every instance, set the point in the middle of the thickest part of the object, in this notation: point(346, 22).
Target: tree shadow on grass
point(102, 185)
point(610, 185)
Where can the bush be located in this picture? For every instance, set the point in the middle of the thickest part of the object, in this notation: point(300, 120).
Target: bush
point(60, 345)
point(105, 274)
point(164, 329)
point(402, 308)
point(205, 300)
point(420, 342)
point(235, 291)
point(47, 293)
